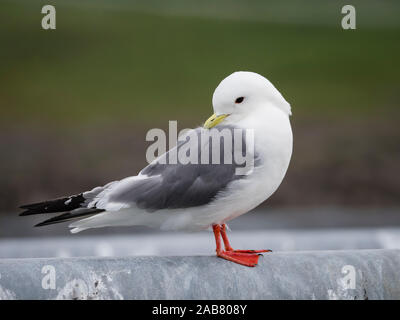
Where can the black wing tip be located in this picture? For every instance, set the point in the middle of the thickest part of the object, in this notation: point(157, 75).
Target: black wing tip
point(31, 205)
point(30, 212)
point(56, 205)
point(25, 213)
point(41, 224)
point(30, 208)
point(68, 216)
point(57, 219)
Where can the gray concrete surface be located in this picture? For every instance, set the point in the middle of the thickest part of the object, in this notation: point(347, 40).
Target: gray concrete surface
point(201, 243)
point(359, 274)
point(140, 263)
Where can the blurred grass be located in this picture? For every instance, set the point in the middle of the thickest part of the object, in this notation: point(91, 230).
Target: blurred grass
point(105, 63)
point(113, 69)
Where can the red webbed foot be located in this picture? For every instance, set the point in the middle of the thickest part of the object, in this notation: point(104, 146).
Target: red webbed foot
point(245, 259)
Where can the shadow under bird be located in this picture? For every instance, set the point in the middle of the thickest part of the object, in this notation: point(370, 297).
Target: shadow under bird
point(200, 194)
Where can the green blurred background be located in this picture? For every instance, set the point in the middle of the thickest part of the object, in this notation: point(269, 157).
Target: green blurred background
point(76, 102)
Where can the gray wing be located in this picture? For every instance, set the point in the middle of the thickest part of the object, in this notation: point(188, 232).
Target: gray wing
point(167, 185)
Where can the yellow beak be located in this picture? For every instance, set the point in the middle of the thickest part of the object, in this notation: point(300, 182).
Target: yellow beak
point(214, 120)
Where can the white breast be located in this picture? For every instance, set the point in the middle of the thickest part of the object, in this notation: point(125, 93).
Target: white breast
point(273, 143)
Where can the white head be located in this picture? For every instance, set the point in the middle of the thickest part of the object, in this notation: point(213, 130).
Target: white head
point(243, 92)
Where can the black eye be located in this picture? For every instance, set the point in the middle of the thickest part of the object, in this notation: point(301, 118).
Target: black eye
point(239, 100)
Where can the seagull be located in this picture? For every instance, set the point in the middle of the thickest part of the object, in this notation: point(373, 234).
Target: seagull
point(171, 195)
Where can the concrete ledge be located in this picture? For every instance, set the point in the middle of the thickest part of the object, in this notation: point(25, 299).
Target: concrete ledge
point(353, 274)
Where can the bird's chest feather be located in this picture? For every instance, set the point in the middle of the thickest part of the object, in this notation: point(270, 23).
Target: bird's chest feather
point(273, 148)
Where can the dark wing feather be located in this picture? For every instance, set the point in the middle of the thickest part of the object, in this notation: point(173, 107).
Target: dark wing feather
point(68, 216)
point(55, 205)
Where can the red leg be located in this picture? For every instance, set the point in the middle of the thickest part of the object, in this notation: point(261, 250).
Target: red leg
point(249, 259)
point(228, 246)
point(225, 238)
point(217, 234)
